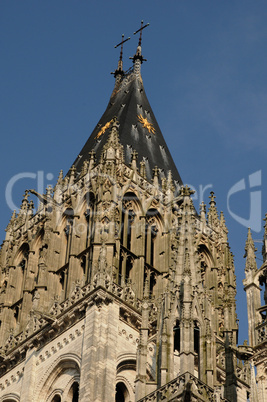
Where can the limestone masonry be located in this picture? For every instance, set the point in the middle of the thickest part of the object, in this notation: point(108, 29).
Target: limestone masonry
point(116, 288)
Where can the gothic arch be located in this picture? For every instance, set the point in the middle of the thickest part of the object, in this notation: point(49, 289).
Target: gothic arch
point(24, 248)
point(122, 393)
point(203, 249)
point(35, 244)
point(127, 387)
point(197, 312)
point(68, 363)
point(206, 262)
point(126, 372)
point(131, 209)
point(154, 244)
point(85, 226)
point(55, 395)
point(65, 212)
point(125, 357)
point(10, 397)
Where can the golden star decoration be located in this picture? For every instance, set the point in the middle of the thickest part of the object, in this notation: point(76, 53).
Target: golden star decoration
point(103, 129)
point(146, 124)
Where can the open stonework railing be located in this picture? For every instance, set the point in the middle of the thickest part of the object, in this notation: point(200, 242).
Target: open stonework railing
point(38, 321)
point(180, 386)
point(261, 332)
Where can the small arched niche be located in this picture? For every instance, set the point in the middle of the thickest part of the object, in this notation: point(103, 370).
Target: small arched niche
point(122, 393)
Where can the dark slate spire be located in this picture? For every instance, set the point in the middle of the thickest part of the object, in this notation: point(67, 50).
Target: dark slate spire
point(138, 127)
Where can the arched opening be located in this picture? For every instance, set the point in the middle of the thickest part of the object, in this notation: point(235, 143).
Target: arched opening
point(176, 337)
point(127, 219)
point(21, 268)
point(73, 395)
point(57, 398)
point(129, 266)
point(196, 345)
point(16, 313)
point(69, 214)
point(90, 230)
point(151, 234)
point(206, 262)
point(122, 393)
point(62, 379)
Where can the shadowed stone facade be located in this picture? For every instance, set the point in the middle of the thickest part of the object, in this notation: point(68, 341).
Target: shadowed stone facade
point(116, 288)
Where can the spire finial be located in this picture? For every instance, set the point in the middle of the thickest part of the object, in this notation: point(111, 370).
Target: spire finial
point(141, 30)
point(212, 198)
point(119, 69)
point(138, 54)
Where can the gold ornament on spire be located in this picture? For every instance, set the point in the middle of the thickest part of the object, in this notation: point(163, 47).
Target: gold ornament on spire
point(146, 124)
point(103, 129)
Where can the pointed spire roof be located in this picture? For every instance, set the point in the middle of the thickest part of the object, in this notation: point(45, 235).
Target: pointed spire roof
point(138, 127)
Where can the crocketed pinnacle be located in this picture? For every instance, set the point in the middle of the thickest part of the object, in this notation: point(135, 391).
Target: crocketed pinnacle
point(250, 253)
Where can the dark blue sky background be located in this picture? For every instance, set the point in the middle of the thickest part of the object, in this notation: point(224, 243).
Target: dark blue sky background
point(205, 79)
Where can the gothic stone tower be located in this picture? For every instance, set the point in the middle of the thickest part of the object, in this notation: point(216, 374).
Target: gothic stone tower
point(257, 313)
point(116, 289)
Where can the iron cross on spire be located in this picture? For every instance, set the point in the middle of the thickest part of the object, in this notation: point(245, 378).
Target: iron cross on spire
point(141, 30)
point(121, 45)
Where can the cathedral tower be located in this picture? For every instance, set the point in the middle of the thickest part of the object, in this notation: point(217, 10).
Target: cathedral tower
point(116, 288)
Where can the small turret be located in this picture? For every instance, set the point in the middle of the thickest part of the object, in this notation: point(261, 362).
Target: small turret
point(213, 219)
point(202, 208)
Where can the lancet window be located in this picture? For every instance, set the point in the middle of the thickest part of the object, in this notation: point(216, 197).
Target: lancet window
point(86, 261)
point(196, 344)
point(176, 337)
point(89, 215)
point(151, 234)
point(129, 206)
point(125, 267)
point(69, 213)
point(22, 268)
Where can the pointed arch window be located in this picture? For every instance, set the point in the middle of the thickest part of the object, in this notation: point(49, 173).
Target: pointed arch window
point(69, 213)
point(22, 268)
point(125, 267)
point(151, 234)
point(176, 337)
point(89, 214)
point(196, 344)
point(128, 216)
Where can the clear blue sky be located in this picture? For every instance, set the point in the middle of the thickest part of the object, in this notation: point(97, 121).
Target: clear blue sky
point(205, 79)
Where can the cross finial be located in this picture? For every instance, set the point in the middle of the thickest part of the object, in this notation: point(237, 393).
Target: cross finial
point(141, 30)
point(212, 198)
point(121, 52)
